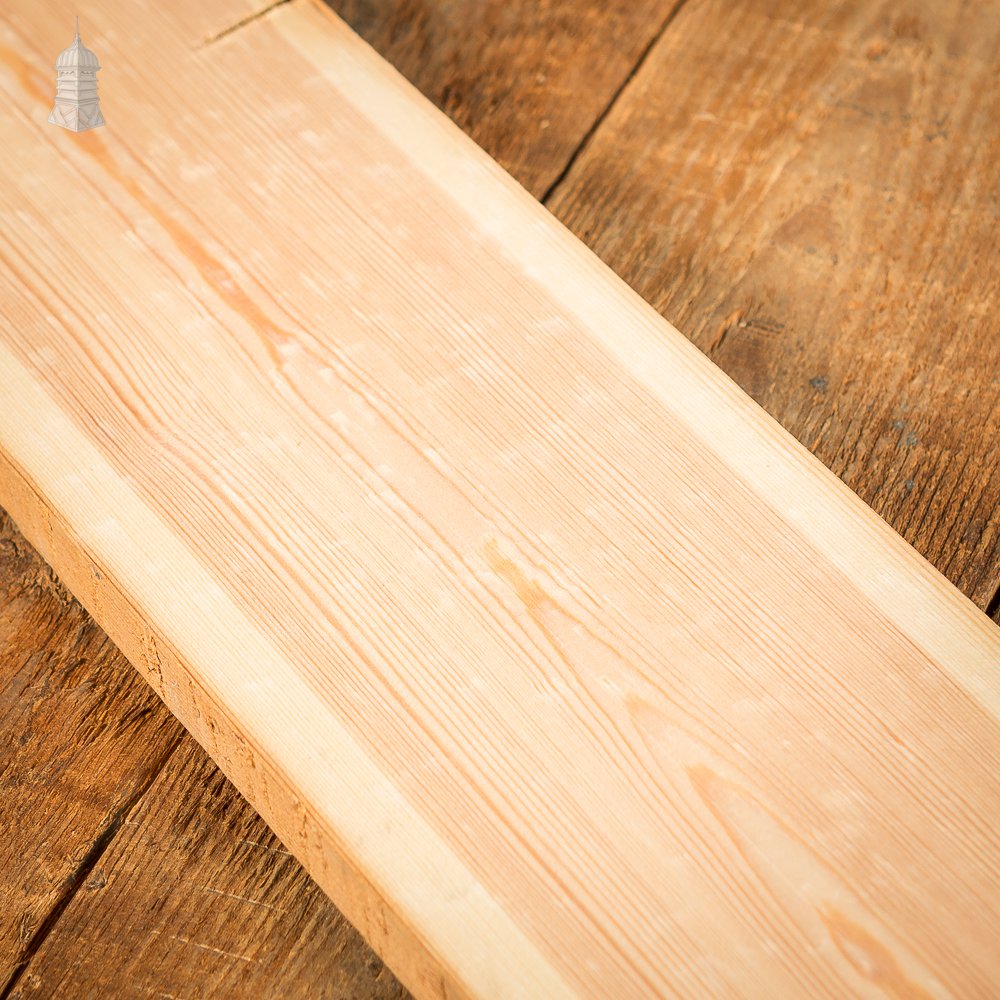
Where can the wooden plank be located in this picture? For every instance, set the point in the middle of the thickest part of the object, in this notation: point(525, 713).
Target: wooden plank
point(818, 214)
point(112, 735)
point(502, 70)
point(730, 686)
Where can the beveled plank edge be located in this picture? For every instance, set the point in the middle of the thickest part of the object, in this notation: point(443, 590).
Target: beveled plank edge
point(889, 571)
point(424, 913)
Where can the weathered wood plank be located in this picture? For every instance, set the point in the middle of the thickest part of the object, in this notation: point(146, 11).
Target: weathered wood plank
point(230, 913)
point(818, 214)
point(888, 662)
point(82, 737)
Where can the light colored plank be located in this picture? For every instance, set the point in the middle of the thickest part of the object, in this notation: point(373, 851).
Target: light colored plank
point(502, 71)
point(558, 663)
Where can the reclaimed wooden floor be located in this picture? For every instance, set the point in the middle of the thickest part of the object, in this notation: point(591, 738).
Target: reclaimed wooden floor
point(809, 191)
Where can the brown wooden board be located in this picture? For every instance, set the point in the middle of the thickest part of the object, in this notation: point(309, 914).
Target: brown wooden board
point(82, 738)
point(196, 898)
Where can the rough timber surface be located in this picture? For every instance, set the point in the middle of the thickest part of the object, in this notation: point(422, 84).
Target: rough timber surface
point(890, 970)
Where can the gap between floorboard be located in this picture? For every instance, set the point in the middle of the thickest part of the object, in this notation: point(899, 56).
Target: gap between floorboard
point(599, 120)
point(80, 875)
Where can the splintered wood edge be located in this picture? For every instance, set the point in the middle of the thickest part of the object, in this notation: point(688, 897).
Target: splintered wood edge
point(340, 816)
point(888, 570)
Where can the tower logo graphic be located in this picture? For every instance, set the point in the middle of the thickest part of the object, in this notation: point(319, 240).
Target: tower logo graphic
point(77, 106)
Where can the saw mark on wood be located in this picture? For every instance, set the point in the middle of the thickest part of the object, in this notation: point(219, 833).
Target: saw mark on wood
point(249, 19)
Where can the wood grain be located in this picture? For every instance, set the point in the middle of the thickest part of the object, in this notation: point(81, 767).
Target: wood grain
point(153, 877)
point(504, 429)
point(818, 213)
point(231, 913)
point(505, 72)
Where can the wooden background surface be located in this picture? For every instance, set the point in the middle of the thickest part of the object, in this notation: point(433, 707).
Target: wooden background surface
point(809, 191)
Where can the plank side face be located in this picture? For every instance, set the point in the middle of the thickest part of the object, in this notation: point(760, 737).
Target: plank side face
point(452, 584)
